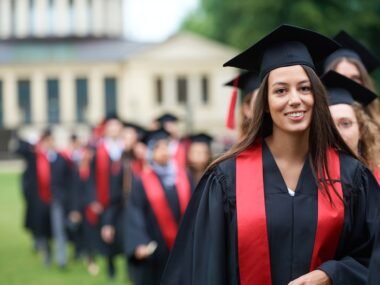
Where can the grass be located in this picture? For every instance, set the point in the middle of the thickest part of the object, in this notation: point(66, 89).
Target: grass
point(19, 264)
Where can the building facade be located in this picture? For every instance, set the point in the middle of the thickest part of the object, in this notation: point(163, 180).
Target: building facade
point(72, 80)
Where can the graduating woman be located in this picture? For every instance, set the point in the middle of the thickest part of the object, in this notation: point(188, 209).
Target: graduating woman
point(347, 100)
point(154, 209)
point(289, 204)
point(356, 62)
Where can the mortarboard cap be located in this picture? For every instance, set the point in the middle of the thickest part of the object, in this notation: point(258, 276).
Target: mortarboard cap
point(167, 117)
point(351, 48)
point(342, 90)
point(156, 135)
point(285, 46)
point(202, 138)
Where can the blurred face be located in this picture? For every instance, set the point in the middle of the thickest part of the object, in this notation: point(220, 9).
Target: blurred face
point(113, 129)
point(48, 142)
point(139, 150)
point(290, 99)
point(349, 70)
point(130, 137)
point(199, 155)
point(346, 123)
point(171, 128)
point(161, 153)
point(248, 105)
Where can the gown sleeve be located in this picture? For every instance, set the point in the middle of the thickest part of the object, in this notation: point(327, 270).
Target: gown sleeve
point(136, 231)
point(352, 259)
point(374, 268)
point(199, 255)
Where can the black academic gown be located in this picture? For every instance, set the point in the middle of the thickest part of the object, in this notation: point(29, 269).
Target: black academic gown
point(142, 228)
point(93, 241)
point(28, 182)
point(205, 251)
point(374, 268)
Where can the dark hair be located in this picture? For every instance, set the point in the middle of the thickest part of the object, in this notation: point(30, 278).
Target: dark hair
point(323, 133)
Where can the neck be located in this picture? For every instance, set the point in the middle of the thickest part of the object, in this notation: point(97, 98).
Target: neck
point(289, 146)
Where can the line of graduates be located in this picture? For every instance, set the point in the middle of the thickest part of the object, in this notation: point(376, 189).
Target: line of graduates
point(122, 194)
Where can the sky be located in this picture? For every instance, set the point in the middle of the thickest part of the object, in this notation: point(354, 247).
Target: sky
point(155, 20)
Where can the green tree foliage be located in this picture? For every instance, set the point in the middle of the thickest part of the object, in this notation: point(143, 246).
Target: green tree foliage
point(242, 22)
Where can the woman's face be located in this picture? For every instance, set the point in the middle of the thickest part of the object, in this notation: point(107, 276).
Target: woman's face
point(290, 99)
point(199, 155)
point(347, 125)
point(161, 152)
point(130, 137)
point(349, 70)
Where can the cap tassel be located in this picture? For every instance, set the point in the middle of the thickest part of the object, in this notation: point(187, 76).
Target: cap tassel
point(231, 112)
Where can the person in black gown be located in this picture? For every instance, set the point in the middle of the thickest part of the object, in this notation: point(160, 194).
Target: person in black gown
point(290, 203)
point(154, 209)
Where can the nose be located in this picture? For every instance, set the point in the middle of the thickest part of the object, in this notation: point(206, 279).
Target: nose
point(294, 98)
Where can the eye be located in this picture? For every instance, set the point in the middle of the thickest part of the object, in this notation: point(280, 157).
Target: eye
point(305, 89)
point(345, 124)
point(280, 91)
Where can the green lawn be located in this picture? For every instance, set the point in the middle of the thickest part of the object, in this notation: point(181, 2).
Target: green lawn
point(18, 264)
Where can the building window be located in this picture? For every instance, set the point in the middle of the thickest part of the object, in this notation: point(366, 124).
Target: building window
point(110, 95)
point(1, 105)
point(13, 17)
point(31, 16)
point(81, 98)
point(182, 90)
point(23, 91)
point(53, 100)
point(159, 90)
point(205, 90)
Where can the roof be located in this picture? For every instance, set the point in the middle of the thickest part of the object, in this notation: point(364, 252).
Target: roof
point(74, 49)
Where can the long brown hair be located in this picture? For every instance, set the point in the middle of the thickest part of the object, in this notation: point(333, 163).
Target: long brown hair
point(323, 133)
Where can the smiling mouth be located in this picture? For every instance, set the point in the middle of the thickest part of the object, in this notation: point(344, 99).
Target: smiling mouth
point(295, 114)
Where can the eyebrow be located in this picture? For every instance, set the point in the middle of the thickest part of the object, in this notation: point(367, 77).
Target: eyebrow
point(284, 83)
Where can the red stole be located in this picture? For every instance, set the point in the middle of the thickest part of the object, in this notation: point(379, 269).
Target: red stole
point(102, 168)
point(180, 155)
point(376, 173)
point(253, 245)
point(160, 205)
point(43, 176)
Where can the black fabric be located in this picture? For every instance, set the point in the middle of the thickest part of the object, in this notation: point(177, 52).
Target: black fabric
point(247, 82)
point(205, 251)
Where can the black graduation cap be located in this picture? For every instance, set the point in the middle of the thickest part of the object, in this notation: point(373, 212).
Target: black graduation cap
point(202, 138)
point(139, 129)
point(167, 117)
point(352, 48)
point(246, 82)
point(285, 46)
point(156, 135)
point(342, 90)
point(111, 116)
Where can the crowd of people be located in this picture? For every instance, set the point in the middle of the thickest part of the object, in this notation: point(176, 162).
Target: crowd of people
point(295, 201)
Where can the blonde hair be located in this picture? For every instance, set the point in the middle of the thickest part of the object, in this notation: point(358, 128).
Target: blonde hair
point(369, 142)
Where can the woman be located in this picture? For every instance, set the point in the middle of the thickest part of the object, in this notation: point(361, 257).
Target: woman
point(155, 206)
point(356, 62)
point(347, 100)
point(248, 83)
point(259, 215)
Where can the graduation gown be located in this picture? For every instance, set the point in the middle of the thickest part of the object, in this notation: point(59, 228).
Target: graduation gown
point(206, 250)
point(92, 224)
point(374, 269)
point(142, 227)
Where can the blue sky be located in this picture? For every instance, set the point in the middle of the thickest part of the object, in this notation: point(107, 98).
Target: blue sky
point(154, 20)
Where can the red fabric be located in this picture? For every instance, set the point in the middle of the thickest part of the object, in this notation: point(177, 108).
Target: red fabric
point(376, 173)
point(253, 245)
point(102, 168)
point(84, 172)
point(180, 155)
point(330, 218)
point(137, 167)
point(230, 123)
point(160, 205)
point(43, 176)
